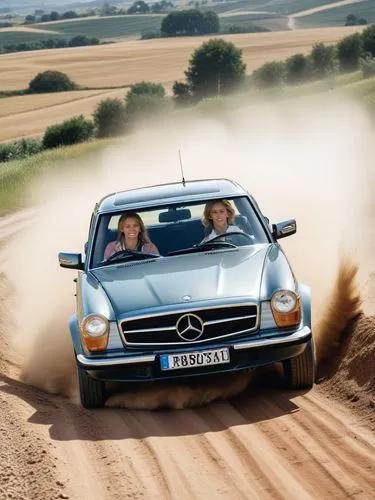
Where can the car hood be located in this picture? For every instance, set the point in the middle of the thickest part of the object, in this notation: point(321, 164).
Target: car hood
point(200, 276)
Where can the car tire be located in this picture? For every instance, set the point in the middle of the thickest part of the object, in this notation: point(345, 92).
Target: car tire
point(91, 390)
point(299, 372)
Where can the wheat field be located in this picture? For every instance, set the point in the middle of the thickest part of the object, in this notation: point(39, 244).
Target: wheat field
point(124, 63)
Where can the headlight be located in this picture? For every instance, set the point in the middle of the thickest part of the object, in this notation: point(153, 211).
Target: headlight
point(95, 326)
point(286, 308)
point(284, 301)
point(95, 329)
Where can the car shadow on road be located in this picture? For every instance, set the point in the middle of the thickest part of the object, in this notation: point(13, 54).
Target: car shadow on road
point(264, 399)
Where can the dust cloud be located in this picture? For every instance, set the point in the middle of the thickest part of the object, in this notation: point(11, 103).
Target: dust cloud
point(308, 159)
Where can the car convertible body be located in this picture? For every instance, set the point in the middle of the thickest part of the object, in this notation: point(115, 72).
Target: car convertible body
point(198, 309)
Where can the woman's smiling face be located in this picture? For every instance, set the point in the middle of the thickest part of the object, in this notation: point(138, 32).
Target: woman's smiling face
point(219, 215)
point(131, 228)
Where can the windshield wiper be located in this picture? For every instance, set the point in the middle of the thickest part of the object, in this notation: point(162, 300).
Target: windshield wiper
point(130, 254)
point(203, 247)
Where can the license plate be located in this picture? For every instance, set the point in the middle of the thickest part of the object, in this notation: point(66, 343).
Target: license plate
point(194, 359)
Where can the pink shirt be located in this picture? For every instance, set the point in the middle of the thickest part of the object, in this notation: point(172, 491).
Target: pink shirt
point(115, 246)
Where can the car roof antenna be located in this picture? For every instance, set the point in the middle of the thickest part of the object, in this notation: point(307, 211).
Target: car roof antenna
point(182, 170)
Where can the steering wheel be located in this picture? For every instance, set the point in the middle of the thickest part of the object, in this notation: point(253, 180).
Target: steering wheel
point(237, 238)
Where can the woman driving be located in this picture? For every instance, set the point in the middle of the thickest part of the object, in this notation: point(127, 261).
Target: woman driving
point(132, 235)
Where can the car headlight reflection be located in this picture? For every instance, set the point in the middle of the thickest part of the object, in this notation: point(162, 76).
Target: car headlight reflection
point(95, 330)
point(286, 308)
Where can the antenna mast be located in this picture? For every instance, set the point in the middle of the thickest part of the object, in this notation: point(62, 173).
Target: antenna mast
point(182, 171)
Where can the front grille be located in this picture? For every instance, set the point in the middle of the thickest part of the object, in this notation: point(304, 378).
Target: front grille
point(218, 323)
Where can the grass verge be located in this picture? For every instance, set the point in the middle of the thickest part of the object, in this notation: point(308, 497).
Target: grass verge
point(15, 175)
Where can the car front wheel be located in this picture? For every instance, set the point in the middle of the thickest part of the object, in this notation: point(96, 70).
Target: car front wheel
point(91, 390)
point(299, 372)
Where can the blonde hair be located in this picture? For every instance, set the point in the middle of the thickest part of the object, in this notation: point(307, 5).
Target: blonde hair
point(207, 220)
point(142, 237)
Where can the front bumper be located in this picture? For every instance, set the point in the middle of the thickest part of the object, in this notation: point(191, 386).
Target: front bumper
point(243, 355)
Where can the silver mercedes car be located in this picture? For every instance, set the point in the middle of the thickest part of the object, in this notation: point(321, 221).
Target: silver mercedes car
point(186, 305)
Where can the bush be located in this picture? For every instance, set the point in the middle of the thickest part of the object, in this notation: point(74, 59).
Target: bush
point(146, 106)
point(82, 41)
point(149, 88)
point(367, 65)
point(17, 150)
point(182, 94)
point(109, 117)
point(298, 69)
point(51, 81)
point(270, 74)
point(72, 131)
point(324, 60)
point(349, 50)
point(368, 39)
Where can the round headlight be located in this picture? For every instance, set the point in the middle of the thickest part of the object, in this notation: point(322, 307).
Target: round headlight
point(95, 325)
point(284, 301)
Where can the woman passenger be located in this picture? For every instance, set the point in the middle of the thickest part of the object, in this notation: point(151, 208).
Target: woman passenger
point(218, 218)
point(132, 235)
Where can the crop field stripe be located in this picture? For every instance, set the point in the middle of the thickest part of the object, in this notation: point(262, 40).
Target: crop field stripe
point(286, 7)
point(15, 37)
point(337, 16)
point(107, 28)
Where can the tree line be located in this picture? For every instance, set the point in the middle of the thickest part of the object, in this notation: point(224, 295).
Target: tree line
point(138, 7)
point(50, 43)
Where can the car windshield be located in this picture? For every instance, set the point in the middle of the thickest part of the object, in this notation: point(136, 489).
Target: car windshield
point(173, 229)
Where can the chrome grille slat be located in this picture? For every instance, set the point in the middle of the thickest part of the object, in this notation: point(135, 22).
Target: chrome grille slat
point(219, 322)
point(216, 322)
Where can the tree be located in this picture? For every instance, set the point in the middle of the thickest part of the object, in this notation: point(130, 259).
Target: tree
point(324, 60)
point(368, 39)
point(181, 92)
point(216, 68)
point(298, 68)
point(351, 20)
point(69, 14)
point(30, 19)
point(138, 7)
point(108, 10)
point(51, 81)
point(190, 22)
point(349, 50)
point(145, 100)
point(109, 117)
point(54, 16)
point(270, 74)
point(72, 131)
point(210, 23)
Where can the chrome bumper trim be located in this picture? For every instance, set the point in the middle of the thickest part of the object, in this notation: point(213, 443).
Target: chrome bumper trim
point(288, 339)
point(89, 362)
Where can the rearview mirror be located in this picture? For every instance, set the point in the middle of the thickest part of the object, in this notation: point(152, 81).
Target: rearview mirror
point(175, 215)
point(284, 228)
point(71, 260)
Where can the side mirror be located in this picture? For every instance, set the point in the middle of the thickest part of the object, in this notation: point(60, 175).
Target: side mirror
point(284, 228)
point(71, 260)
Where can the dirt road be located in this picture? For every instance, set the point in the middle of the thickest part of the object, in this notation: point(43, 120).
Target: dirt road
point(264, 443)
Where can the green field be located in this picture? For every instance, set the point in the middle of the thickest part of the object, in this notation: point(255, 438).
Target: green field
point(15, 37)
point(282, 7)
point(337, 16)
point(107, 28)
